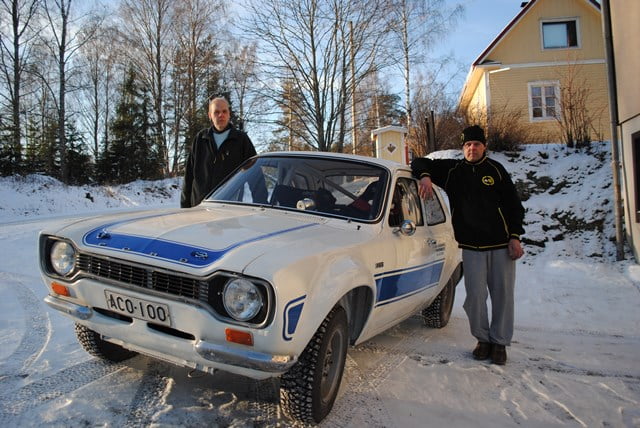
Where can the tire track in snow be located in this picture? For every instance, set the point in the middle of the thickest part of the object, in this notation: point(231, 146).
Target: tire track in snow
point(537, 373)
point(576, 332)
point(149, 398)
point(36, 334)
point(15, 402)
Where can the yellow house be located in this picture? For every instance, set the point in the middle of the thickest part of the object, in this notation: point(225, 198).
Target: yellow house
point(624, 40)
point(549, 57)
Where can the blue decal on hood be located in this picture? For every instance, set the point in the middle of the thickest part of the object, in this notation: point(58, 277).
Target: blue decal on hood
point(399, 284)
point(171, 251)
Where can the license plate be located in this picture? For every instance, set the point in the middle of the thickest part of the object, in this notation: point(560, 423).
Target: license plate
point(138, 308)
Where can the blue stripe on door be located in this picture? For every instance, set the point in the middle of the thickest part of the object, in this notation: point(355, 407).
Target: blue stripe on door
point(399, 284)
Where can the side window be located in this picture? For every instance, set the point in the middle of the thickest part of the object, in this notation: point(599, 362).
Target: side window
point(405, 203)
point(433, 211)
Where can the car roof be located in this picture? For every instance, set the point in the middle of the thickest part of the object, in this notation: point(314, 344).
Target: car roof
point(388, 164)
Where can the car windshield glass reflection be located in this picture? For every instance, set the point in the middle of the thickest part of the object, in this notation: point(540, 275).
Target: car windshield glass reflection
point(324, 186)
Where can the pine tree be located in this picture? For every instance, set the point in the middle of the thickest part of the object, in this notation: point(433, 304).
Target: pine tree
point(43, 152)
point(131, 154)
point(6, 150)
point(81, 170)
point(291, 133)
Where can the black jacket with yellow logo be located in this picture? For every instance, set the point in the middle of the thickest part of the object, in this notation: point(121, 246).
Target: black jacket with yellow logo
point(486, 210)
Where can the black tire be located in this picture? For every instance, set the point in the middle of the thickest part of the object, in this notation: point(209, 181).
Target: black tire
point(309, 389)
point(438, 313)
point(94, 345)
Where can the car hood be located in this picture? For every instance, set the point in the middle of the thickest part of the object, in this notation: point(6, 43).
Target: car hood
point(200, 238)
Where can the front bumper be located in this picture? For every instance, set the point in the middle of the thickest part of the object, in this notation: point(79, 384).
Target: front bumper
point(247, 362)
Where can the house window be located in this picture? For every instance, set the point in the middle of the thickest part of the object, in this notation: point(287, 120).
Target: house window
point(560, 34)
point(543, 100)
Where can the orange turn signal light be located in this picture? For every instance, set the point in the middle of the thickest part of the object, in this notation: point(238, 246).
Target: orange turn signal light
point(60, 289)
point(237, 336)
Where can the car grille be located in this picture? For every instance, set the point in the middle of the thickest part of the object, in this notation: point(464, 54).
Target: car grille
point(164, 282)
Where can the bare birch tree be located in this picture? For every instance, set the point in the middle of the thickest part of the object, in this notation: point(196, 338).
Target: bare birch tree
point(306, 43)
point(94, 100)
point(241, 78)
point(194, 52)
point(65, 36)
point(16, 40)
point(417, 24)
point(147, 37)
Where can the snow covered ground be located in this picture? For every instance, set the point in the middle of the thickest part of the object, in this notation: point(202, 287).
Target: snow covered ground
point(575, 360)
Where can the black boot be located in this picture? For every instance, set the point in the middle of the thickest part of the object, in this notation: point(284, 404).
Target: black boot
point(482, 351)
point(498, 354)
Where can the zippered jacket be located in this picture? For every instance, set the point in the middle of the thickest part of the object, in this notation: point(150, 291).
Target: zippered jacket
point(486, 210)
point(207, 165)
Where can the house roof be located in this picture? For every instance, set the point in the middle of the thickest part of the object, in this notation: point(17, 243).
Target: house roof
point(482, 61)
point(513, 23)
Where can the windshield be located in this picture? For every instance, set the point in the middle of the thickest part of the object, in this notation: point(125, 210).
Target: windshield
point(323, 186)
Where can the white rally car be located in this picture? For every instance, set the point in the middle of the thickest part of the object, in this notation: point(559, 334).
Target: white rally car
point(292, 259)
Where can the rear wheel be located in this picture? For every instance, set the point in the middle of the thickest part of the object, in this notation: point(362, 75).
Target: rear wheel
point(309, 389)
point(96, 346)
point(438, 313)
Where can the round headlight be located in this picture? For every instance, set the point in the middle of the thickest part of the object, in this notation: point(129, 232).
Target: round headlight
point(63, 257)
point(241, 299)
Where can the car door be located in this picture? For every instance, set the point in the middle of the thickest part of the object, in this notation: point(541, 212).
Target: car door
point(404, 288)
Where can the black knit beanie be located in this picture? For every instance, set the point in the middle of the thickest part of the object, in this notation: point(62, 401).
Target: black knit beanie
point(473, 133)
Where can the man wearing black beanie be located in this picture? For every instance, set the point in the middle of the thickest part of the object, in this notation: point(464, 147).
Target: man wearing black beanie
point(487, 218)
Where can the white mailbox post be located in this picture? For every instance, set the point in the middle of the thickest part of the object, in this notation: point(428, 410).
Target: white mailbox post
point(390, 143)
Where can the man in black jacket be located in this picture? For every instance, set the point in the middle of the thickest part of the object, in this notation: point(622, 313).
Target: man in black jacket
point(487, 218)
point(215, 153)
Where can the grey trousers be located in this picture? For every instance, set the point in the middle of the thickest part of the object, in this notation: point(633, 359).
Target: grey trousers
point(489, 273)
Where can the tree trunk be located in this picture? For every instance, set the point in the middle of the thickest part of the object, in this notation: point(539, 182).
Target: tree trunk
point(62, 143)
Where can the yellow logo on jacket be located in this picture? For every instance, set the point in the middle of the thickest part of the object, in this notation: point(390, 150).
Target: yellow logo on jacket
point(487, 180)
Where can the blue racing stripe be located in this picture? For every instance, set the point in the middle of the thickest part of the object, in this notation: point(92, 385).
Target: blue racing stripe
point(170, 251)
point(399, 284)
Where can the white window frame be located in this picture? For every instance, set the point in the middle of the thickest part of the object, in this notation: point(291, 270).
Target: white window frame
point(557, 20)
point(544, 83)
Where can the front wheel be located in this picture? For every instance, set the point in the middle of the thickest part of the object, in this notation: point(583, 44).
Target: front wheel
point(438, 313)
point(309, 389)
point(96, 346)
